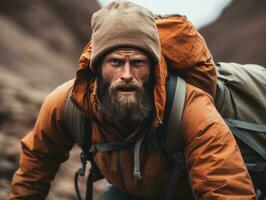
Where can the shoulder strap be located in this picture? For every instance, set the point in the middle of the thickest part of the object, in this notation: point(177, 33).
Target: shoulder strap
point(77, 125)
point(176, 93)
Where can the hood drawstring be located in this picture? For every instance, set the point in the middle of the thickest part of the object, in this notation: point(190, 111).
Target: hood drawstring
point(136, 172)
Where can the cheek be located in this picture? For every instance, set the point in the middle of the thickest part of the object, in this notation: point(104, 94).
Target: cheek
point(108, 74)
point(143, 74)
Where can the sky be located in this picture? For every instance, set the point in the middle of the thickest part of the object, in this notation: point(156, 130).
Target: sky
point(199, 12)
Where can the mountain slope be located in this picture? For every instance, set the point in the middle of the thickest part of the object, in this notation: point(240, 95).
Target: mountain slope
point(239, 35)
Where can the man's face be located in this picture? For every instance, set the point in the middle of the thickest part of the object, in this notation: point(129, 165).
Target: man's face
point(125, 73)
point(126, 69)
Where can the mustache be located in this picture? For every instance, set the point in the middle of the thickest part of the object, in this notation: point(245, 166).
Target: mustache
point(125, 86)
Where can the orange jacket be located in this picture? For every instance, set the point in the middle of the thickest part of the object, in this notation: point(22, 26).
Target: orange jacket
point(214, 163)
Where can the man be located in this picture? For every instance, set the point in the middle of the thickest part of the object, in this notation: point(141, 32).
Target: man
point(121, 87)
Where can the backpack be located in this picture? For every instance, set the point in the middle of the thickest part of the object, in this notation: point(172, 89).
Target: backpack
point(241, 101)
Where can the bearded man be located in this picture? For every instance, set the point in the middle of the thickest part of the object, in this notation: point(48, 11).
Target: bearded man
point(121, 86)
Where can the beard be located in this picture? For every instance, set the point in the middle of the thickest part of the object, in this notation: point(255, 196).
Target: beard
point(125, 108)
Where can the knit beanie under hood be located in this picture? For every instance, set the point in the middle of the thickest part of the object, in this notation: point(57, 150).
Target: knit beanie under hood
point(123, 24)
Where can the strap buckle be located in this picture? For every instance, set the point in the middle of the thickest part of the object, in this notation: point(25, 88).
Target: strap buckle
point(83, 159)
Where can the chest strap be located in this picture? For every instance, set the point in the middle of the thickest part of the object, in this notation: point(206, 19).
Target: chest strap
point(151, 145)
point(123, 145)
point(110, 146)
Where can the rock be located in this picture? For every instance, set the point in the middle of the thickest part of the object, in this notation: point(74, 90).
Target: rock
point(239, 34)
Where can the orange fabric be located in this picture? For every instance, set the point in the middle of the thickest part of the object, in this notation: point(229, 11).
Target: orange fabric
point(215, 166)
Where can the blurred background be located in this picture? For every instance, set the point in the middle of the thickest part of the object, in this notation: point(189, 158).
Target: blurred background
point(40, 44)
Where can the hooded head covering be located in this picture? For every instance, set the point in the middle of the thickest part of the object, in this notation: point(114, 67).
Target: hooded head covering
point(123, 24)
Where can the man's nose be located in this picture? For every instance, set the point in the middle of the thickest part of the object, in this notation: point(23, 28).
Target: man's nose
point(127, 73)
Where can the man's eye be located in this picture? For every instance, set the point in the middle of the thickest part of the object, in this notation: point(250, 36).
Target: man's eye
point(115, 62)
point(138, 62)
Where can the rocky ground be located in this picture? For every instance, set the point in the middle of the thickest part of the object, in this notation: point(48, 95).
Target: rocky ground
point(40, 42)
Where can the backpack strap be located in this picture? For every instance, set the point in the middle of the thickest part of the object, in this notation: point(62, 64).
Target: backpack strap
point(176, 93)
point(246, 125)
point(239, 128)
point(137, 142)
point(77, 125)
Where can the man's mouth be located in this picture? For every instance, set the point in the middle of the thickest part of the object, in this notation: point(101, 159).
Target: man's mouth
point(126, 89)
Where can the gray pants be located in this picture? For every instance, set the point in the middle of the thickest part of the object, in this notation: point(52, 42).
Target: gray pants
point(114, 194)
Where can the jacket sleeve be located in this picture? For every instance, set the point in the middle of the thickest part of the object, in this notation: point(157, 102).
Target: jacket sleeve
point(215, 166)
point(43, 149)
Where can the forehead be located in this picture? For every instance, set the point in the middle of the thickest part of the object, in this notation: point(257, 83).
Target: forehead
point(131, 52)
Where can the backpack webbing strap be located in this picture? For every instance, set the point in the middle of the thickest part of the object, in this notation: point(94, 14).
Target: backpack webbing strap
point(123, 145)
point(170, 93)
point(241, 135)
point(77, 123)
point(262, 196)
point(256, 167)
point(110, 146)
point(178, 172)
point(239, 130)
point(114, 146)
point(246, 125)
point(78, 126)
point(81, 172)
point(176, 95)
